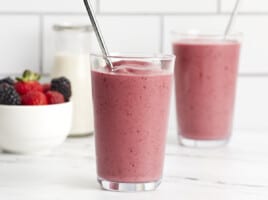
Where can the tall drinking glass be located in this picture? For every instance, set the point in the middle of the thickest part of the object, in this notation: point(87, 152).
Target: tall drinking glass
point(131, 109)
point(205, 80)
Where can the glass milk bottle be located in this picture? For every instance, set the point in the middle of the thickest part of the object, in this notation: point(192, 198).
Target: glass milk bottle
point(72, 43)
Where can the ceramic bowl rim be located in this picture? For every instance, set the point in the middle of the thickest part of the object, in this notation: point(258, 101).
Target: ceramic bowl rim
point(28, 107)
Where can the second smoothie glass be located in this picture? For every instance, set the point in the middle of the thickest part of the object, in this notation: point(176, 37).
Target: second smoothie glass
point(131, 109)
point(205, 80)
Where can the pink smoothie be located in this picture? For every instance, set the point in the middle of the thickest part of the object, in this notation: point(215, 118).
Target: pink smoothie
point(131, 110)
point(205, 76)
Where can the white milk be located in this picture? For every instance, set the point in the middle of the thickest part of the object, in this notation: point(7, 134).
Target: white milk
point(77, 69)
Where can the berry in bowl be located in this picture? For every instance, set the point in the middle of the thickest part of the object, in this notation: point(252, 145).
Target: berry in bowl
point(34, 117)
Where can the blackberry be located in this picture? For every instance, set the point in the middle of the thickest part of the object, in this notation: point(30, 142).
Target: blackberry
point(7, 80)
point(8, 95)
point(63, 86)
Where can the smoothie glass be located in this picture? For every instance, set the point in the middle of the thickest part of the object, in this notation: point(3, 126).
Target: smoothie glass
point(206, 69)
point(131, 109)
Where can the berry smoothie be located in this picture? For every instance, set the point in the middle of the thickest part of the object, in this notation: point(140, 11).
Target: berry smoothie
point(131, 108)
point(205, 77)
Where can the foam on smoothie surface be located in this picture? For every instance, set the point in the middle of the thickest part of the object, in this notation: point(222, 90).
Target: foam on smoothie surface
point(198, 41)
point(132, 67)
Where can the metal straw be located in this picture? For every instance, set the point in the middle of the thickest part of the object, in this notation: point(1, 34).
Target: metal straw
point(98, 33)
point(232, 19)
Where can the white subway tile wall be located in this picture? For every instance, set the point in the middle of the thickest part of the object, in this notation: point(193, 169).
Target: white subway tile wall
point(19, 43)
point(43, 6)
point(253, 6)
point(26, 38)
point(158, 6)
point(251, 103)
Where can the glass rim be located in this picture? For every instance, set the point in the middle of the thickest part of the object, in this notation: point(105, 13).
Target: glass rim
point(206, 34)
point(138, 56)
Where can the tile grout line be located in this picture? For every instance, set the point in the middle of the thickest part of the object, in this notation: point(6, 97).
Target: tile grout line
point(178, 14)
point(98, 7)
point(41, 43)
point(161, 26)
point(218, 6)
point(253, 74)
point(135, 13)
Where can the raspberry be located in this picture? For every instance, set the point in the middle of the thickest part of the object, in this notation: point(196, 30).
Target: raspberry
point(46, 87)
point(34, 98)
point(63, 86)
point(54, 97)
point(8, 95)
point(28, 82)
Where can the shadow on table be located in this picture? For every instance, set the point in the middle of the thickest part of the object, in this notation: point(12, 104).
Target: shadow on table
point(83, 183)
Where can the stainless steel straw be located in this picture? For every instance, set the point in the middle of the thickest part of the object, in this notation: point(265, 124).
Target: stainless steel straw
point(98, 33)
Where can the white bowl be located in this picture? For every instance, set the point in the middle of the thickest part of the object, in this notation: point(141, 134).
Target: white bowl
point(34, 129)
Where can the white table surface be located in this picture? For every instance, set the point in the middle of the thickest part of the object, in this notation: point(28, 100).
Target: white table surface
point(236, 172)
